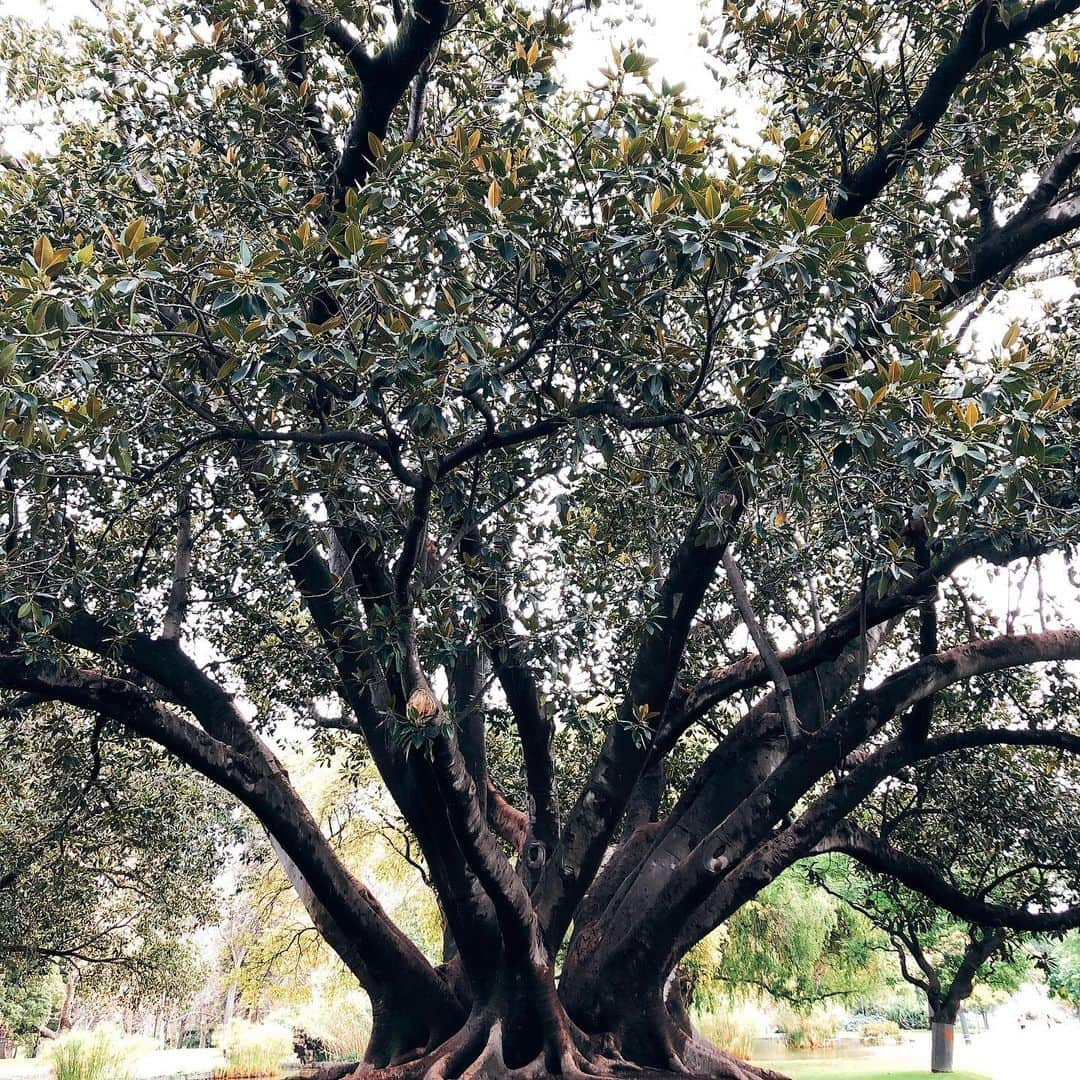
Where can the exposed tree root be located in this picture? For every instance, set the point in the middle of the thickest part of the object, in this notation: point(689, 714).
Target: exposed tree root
point(701, 1058)
point(478, 1052)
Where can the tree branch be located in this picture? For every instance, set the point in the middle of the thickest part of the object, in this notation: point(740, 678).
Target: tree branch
point(336, 30)
point(1053, 178)
point(765, 649)
point(591, 823)
point(982, 33)
point(850, 839)
point(536, 730)
point(384, 79)
point(296, 68)
point(387, 960)
point(180, 592)
point(718, 685)
point(740, 855)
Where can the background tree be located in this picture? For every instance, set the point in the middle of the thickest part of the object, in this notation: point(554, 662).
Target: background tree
point(351, 362)
point(108, 852)
point(1063, 976)
point(29, 993)
point(943, 958)
point(1006, 834)
point(799, 945)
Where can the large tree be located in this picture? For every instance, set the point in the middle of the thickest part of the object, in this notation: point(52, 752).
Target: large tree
point(360, 382)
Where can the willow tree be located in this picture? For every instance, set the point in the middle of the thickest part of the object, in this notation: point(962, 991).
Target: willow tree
point(359, 379)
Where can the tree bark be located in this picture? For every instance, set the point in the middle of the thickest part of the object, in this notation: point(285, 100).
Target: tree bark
point(942, 1038)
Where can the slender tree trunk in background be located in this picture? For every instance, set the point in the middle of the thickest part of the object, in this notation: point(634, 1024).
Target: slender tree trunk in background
point(65, 1022)
point(230, 1004)
point(962, 1016)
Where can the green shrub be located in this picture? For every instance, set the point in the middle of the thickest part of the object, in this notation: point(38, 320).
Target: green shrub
point(253, 1049)
point(732, 1027)
point(909, 1017)
point(879, 1032)
point(103, 1054)
point(809, 1030)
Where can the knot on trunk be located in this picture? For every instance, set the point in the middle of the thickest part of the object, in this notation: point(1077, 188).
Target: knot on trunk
point(422, 708)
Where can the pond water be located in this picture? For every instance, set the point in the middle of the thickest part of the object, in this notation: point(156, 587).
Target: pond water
point(773, 1048)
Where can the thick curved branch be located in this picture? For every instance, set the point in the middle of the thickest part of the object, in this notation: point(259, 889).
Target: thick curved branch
point(741, 855)
point(717, 686)
point(536, 730)
point(387, 961)
point(591, 823)
point(513, 908)
point(136, 709)
point(983, 942)
point(1053, 178)
point(983, 33)
point(1013, 243)
point(849, 839)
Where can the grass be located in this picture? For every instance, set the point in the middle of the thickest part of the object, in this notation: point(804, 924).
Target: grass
point(98, 1055)
point(856, 1070)
point(253, 1050)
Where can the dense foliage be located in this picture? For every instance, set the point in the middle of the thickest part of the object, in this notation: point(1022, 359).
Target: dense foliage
point(366, 387)
point(107, 847)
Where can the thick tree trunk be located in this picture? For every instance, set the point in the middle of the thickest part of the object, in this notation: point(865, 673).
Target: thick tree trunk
point(943, 1013)
point(942, 1037)
point(522, 1030)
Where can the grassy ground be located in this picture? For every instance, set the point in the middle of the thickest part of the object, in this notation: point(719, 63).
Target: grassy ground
point(855, 1070)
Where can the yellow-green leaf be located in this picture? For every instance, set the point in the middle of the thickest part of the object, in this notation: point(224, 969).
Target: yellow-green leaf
point(43, 252)
point(135, 231)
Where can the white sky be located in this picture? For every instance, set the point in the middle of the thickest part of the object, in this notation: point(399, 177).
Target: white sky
point(670, 40)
